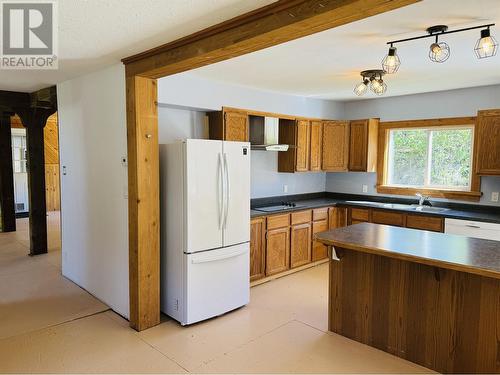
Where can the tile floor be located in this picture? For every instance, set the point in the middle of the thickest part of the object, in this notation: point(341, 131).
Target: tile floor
point(49, 325)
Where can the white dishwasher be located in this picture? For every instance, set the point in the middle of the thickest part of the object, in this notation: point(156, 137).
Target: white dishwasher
point(477, 229)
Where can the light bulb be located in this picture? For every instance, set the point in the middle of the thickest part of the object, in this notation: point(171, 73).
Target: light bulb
point(391, 62)
point(361, 88)
point(486, 46)
point(378, 86)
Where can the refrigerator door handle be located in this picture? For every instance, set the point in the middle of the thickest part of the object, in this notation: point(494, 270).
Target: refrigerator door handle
point(220, 190)
point(228, 189)
point(211, 258)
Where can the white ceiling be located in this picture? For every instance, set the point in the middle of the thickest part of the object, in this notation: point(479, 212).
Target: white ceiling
point(327, 64)
point(97, 33)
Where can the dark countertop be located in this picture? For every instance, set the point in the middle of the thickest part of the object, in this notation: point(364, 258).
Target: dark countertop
point(464, 254)
point(482, 213)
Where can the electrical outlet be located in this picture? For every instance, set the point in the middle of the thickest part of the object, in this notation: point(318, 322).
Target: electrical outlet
point(285, 188)
point(365, 188)
point(494, 196)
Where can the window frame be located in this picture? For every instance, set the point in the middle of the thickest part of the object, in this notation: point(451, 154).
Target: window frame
point(473, 194)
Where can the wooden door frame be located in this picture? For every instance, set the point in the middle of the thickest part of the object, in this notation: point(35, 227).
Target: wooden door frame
point(277, 23)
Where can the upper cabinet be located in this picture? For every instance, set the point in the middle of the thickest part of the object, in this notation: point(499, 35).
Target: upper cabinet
point(363, 137)
point(487, 142)
point(316, 145)
point(303, 145)
point(335, 147)
point(229, 125)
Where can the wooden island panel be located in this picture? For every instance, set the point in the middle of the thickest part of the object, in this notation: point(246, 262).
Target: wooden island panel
point(430, 298)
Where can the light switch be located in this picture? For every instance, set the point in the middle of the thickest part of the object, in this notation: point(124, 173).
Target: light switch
point(365, 188)
point(285, 188)
point(494, 196)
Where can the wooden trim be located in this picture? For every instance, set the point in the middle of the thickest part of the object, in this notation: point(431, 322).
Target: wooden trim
point(474, 195)
point(251, 112)
point(144, 201)
point(268, 26)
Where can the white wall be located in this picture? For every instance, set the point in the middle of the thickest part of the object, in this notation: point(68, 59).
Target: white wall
point(453, 103)
point(93, 138)
point(190, 95)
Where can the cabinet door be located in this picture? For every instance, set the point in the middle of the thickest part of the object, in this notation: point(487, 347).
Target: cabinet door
point(257, 249)
point(300, 252)
point(335, 148)
point(319, 251)
point(337, 217)
point(236, 126)
point(277, 251)
point(302, 150)
point(487, 145)
point(316, 145)
point(358, 145)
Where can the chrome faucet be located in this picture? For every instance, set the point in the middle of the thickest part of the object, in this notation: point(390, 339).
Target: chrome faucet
point(422, 199)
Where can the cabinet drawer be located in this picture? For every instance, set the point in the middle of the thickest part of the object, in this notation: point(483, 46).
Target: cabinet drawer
point(278, 221)
point(424, 222)
point(301, 217)
point(360, 214)
point(320, 214)
point(389, 218)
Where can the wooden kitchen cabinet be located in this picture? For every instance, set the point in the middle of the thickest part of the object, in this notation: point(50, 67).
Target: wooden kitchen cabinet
point(300, 251)
point(277, 250)
point(335, 146)
point(401, 219)
point(319, 251)
point(363, 137)
point(316, 145)
point(302, 146)
point(229, 125)
point(257, 249)
point(337, 217)
point(487, 142)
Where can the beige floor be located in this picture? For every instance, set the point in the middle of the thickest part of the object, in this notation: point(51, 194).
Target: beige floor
point(282, 330)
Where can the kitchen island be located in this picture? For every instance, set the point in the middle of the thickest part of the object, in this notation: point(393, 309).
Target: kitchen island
point(431, 298)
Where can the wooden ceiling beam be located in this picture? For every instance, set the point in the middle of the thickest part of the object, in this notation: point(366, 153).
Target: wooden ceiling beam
point(276, 23)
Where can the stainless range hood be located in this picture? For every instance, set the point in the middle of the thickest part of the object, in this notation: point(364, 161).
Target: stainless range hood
point(264, 133)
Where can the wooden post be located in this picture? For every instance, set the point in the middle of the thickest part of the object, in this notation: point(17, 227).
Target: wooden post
point(7, 201)
point(34, 120)
point(144, 202)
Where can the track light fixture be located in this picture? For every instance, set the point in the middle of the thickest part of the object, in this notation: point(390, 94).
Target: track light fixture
point(486, 46)
point(373, 79)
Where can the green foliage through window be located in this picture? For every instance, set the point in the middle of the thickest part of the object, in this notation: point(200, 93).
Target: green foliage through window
point(434, 158)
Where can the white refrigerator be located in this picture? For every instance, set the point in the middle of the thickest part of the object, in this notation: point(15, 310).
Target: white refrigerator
point(205, 228)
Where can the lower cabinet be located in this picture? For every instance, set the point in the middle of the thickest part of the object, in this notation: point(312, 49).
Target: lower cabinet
point(300, 252)
point(277, 250)
point(319, 251)
point(257, 248)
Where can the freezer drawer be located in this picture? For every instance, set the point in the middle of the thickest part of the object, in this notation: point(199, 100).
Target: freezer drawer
point(217, 281)
point(477, 229)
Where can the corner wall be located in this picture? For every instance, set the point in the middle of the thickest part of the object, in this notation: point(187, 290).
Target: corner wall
point(94, 215)
point(452, 103)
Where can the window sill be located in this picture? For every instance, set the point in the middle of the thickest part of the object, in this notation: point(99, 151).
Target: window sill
point(472, 196)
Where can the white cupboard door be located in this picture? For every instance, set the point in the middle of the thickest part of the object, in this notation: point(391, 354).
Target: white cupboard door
point(204, 195)
point(236, 221)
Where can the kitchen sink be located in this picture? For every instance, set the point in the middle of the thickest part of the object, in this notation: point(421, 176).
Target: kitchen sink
point(400, 206)
point(429, 209)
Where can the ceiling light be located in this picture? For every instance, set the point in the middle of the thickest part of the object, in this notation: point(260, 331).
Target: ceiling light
point(486, 46)
point(373, 79)
point(361, 87)
point(391, 62)
point(439, 51)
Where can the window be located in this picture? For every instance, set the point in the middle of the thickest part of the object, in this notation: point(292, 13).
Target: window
point(435, 158)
